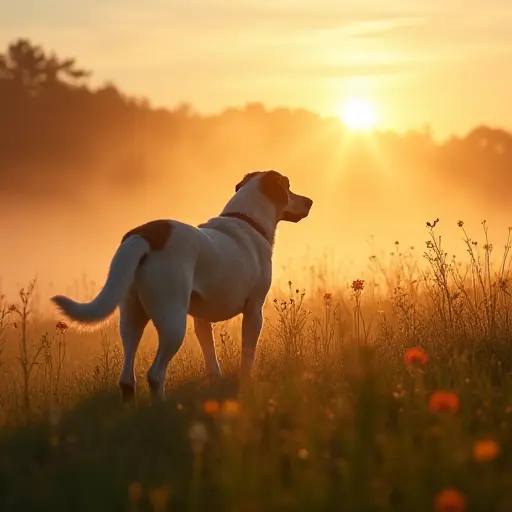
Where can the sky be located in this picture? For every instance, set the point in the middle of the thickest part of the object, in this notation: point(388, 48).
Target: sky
point(420, 61)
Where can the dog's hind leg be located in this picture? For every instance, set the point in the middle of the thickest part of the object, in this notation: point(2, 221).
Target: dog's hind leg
point(204, 333)
point(171, 328)
point(132, 322)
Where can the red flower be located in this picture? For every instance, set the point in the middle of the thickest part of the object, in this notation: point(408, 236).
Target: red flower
point(61, 326)
point(443, 402)
point(450, 500)
point(415, 356)
point(357, 285)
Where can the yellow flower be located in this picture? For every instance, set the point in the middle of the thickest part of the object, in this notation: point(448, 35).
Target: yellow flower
point(303, 454)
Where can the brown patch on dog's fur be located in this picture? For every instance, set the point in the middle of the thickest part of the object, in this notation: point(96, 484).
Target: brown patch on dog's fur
point(156, 233)
point(275, 187)
point(246, 179)
point(273, 184)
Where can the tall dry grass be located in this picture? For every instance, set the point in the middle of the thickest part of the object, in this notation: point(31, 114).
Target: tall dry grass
point(386, 391)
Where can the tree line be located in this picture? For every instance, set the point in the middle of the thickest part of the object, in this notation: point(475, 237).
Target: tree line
point(57, 131)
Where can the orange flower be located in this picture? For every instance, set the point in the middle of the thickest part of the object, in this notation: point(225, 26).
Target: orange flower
point(443, 402)
point(134, 492)
point(159, 498)
point(230, 408)
point(485, 450)
point(450, 500)
point(211, 407)
point(415, 356)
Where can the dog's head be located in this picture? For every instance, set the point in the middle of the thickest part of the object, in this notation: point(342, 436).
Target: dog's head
point(276, 188)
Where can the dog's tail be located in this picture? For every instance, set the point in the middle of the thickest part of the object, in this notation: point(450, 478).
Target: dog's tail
point(120, 276)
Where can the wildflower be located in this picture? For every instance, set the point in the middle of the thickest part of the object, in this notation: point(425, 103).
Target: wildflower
point(13, 308)
point(399, 393)
point(211, 407)
point(450, 500)
point(198, 436)
point(230, 408)
point(485, 450)
point(357, 285)
point(443, 402)
point(271, 405)
point(159, 498)
point(303, 454)
point(135, 492)
point(415, 356)
point(460, 223)
point(61, 326)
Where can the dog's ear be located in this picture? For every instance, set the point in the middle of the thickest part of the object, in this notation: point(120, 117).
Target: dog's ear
point(275, 187)
point(247, 178)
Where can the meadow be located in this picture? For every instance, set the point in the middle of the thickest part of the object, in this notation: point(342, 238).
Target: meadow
point(386, 391)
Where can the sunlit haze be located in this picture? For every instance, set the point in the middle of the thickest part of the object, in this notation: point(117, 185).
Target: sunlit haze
point(424, 62)
point(386, 115)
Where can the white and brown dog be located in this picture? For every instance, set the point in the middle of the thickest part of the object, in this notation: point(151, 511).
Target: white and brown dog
point(164, 270)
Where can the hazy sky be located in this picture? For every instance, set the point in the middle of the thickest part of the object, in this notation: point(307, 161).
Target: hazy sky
point(447, 63)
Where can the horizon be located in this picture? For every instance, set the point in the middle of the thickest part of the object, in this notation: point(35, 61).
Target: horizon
point(408, 58)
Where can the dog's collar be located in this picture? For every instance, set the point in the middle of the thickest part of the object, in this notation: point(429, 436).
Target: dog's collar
point(251, 222)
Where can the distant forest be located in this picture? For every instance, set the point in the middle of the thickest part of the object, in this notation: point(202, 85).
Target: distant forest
point(58, 133)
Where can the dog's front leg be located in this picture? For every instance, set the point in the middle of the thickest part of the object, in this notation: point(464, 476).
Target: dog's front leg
point(251, 327)
point(204, 333)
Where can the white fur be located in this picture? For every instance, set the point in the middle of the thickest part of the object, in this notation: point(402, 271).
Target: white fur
point(212, 272)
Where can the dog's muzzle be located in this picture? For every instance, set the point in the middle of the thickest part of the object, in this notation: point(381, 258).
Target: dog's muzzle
point(295, 216)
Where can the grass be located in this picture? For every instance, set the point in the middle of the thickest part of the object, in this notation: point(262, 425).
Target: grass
point(389, 393)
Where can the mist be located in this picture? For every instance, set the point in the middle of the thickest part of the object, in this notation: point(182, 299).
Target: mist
point(80, 166)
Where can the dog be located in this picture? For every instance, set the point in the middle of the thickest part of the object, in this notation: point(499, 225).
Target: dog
point(165, 270)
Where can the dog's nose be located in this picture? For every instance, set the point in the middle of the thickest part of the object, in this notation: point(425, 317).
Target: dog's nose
point(308, 202)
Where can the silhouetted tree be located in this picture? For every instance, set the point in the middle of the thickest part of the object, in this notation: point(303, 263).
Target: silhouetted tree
point(26, 67)
point(57, 134)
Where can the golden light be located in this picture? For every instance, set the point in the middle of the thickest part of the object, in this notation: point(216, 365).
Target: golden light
point(358, 113)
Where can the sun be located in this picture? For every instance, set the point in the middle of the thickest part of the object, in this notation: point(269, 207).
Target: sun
point(358, 113)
